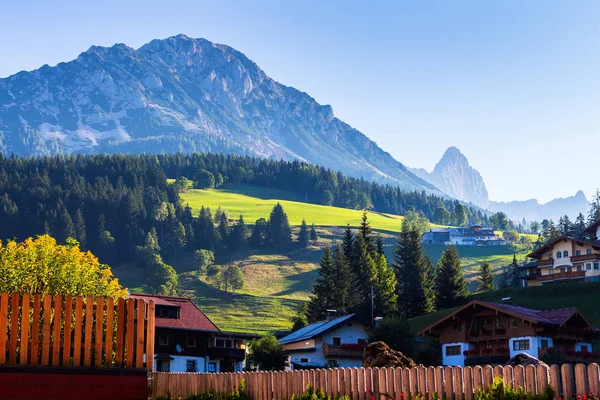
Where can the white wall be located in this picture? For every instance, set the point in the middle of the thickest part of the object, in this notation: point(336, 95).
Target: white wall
point(347, 334)
point(179, 364)
point(458, 360)
point(535, 343)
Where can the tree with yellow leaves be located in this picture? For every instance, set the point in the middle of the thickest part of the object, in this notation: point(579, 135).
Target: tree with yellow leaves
point(43, 266)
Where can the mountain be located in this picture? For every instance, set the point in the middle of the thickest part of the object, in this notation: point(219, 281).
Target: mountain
point(181, 94)
point(532, 210)
point(454, 176)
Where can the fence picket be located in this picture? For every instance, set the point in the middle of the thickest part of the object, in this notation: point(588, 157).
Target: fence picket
point(87, 339)
point(430, 382)
point(3, 326)
point(508, 375)
point(542, 375)
point(78, 338)
point(530, 380)
point(555, 381)
point(140, 314)
point(581, 379)
point(56, 325)
point(150, 337)
point(448, 383)
point(566, 372)
point(439, 381)
point(594, 379)
point(457, 373)
point(468, 383)
point(130, 333)
point(24, 350)
point(477, 378)
point(109, 332)
point(99, 331)
point(68, 331)
point(46, 330)
point(14, 329)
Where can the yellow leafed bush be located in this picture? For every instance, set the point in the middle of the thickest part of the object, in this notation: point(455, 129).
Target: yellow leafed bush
point(43, 266)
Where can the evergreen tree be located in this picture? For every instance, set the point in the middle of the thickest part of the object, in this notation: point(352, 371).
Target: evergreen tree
point(579, 227)
point(386, 298)
point(346, 294)
point(449, 280)
point(259, 232)
point(238, 235)
point(565, 227)
point(205, 234)
point(313, 233)
point(485, 279)
point(594, 213)
point(379, 245)
point(459, 216)
point(64, 227)
point(413, 273)
point(348, 243)
point(223, 230)
point(365, 232)
point(513, 273)
point(80, 230)
point(303, 235)
point(321, 298)
point(363, 266)
point(280, 234)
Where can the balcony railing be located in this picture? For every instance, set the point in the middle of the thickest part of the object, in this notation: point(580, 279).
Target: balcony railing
point(562, 275)
point(343, 351)
point(544, 263)
point(217, 352)
point(476, 353)
point(585, 257)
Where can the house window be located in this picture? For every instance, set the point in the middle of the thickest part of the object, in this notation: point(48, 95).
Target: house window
point(362, 341)
point(596, 266)
point(337, 341)
point(550, 256)
point(565, 254)
point(212, 367)
point(163, 340)
point(577, 252)
point(521, 344)
point(562, 270)
point(304, 360)
point(588, 251)
point(514, 323)
point(544, 343)
point(550, 271)
point(190, 366)
point(163, 365)
point(569, 269)
point(585, 348)
point(229, 343)
point(558, 254)
point(453, 350)
point(190, 341)
point(219, 343)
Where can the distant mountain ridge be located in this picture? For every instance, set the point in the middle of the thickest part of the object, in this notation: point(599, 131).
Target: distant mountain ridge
point(457, 178)
point(181, 95)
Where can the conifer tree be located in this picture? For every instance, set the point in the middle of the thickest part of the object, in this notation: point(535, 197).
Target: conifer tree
point(65, 227)
point(594, 213)
point(379, 245)
point(259, 232)
point(449, 280)
point(205, 234)
point(579, 227)
point(238, 235)
point(348, 243)
point(386, 298)
point(503, 281)
point(313, 233)
point(80, 229)
point(365, 232)
point(485, 279)
point(223, 230)
point(414, 273)
point(321, 298)
point(280, 234)
point(303, 235)
point(346, 293)
point(513, 273)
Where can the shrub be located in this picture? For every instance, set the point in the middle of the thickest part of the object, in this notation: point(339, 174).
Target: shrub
point(240, 394)
point(319, 394)
point(500, 391)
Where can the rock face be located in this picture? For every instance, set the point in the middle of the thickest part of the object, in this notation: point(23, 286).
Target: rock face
point(524, 359)
point(532, 210)
point(181, 95)
point(380, 355)
point(454, 176)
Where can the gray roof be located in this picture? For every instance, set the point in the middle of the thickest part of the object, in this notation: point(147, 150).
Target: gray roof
point(315, 329)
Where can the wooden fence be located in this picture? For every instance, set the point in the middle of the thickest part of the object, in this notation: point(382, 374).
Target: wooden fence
point(76, 331)
point(451, 383)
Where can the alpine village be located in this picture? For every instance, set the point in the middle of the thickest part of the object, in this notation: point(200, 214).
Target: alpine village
point(176, 224)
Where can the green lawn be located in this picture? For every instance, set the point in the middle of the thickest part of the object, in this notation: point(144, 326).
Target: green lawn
point(254, 203)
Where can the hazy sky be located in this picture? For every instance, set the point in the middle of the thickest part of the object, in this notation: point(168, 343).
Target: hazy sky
point(515, 85)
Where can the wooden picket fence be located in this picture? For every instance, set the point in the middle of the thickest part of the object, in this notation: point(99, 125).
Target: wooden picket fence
point(450, 383)
point(76, 331)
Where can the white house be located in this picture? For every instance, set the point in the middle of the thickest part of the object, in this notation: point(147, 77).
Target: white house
point(336, 342)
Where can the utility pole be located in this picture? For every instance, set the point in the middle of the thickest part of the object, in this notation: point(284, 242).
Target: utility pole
point(372, 305)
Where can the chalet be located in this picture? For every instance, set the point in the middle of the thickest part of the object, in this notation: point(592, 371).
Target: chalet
point(475, 235)
point(565, 259)
point(483, 332)
point(340, 342)
point(186, 340)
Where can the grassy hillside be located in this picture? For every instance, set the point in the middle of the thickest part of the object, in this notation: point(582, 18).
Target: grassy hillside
point(254, 203)
point(584, 296)
point(277, 284)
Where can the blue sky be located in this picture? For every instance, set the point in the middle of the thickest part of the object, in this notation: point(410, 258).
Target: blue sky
point(515, 85)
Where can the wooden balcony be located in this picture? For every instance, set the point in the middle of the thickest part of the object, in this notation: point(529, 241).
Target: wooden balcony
point(343, 351)
point(562, 275)
point(585, 257)
point(544, 263)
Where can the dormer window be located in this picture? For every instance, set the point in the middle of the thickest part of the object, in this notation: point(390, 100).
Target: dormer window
point(558, 254)
point(565, 253)
point(167, 312)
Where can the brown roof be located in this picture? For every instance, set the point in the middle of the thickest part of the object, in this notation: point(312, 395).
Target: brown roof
point(539, 253)
point(551, 317)
point(592, 228)
point(190, 316)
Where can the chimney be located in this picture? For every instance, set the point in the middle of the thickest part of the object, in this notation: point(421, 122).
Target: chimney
point(507, 300)
point(331, 314)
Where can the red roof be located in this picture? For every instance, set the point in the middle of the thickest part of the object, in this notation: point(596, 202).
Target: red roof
point(190, 316)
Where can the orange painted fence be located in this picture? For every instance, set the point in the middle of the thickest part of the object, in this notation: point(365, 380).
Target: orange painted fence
point(451, 383)
point(75, 331)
